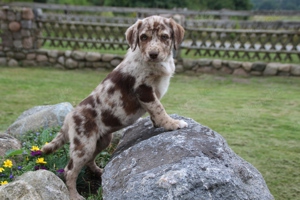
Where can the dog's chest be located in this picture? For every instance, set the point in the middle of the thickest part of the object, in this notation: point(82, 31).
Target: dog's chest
point(160, 85)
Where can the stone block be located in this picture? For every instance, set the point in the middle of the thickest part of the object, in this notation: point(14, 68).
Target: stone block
point(295, 70)
point(28, 43)
point(10, 15)
point(27, 24)
point(71, 64)
point(240, 72)
point(217, 63)
point(27, 14)
point(258, 66)
point(2, 15)
point(93, 56)
point(14, 26)
point(271, 69)
point(17, 44)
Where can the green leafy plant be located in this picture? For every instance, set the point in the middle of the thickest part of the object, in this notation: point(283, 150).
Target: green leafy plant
point(30, 158)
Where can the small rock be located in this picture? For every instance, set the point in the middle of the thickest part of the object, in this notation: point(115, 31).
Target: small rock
point(115, 62)
point(107, 57)
point(295, 70)
point(189, 64)
point(2, 15)
point(10, 16)
point(14, 26)
point(27, 13)
point(92, 56)
point(240, 72)
point(71, 64)
point(78, 55)
point(284, 67)
point(20, 55)
point(29, 63)
point(13, 63)
point(179, 68)
point(8, 142)
point(234, 64)
point(17, 44)
point(27, 43)
point(206, 70)
point(30, 56)
point(99, 65)
point(247, 66)
point(27, 24)
point(68, 53)
point(217, 63)
point(258, 66)
point(61, 60)
point(53, 53)
point(226, 70)
point(204, 62)
point(3, 61)
point(41, 58)
point(271, 69)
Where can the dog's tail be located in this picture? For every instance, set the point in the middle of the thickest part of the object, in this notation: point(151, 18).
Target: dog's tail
point(60, 139)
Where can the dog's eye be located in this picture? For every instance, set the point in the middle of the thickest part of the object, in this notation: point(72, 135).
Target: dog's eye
point(164, 37)
point(144, 37)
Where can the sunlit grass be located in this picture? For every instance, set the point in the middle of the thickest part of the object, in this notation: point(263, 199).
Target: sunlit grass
point(259, 116)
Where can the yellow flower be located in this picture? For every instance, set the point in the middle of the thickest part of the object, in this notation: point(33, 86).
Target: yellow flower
point(35, 148)
point(46, 143)
point(40, 161)
point(3, 182)
point(1, 169)
point(8, 163)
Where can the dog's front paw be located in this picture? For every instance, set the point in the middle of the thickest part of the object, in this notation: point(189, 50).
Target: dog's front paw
point(175, 124)
point(182, 124)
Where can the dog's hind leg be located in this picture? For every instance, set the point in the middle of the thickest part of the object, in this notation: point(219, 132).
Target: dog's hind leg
point(81, 152)
point(102, 143)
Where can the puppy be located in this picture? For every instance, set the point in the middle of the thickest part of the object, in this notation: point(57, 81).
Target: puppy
point(133, 88)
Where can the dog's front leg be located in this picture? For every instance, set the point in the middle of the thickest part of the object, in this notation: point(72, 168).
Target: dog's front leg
point(153, 106)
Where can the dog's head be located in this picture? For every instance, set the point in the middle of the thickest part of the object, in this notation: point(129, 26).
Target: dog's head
point(155, 36)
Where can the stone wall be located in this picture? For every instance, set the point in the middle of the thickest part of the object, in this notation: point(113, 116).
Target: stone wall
point(20, 47)
point(94, 60)
point(18, 29)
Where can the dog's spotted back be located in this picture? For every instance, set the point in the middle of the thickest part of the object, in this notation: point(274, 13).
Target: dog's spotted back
point(131, 89)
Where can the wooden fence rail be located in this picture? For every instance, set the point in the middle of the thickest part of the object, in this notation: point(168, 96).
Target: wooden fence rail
point(277, 45)
point(270, 45)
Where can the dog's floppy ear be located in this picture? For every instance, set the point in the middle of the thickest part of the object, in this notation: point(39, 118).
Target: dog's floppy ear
point(178, 33)
point(132, 34)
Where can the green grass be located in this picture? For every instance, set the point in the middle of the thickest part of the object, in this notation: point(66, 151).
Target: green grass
point(259, 116)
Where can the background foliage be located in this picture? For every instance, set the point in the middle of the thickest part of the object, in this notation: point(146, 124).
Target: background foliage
point(190, 4)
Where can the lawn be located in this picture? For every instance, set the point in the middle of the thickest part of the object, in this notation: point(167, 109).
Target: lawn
point(259, 116)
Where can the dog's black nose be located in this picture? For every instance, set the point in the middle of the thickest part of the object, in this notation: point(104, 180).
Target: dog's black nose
point(153, 55)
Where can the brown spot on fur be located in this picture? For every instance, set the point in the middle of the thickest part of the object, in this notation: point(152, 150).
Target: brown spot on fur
point(109, 119)
point(125, 83)
point(88, 101)
point(77, 121)
point(111, 90)
point(90, 125)
point(98, 100)
point(145, 93)
point(70, 164)
point(78, 147)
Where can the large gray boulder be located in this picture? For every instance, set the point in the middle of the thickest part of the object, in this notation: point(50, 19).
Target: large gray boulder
point(40, 117)
point(37, 185)
point(193, 163)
